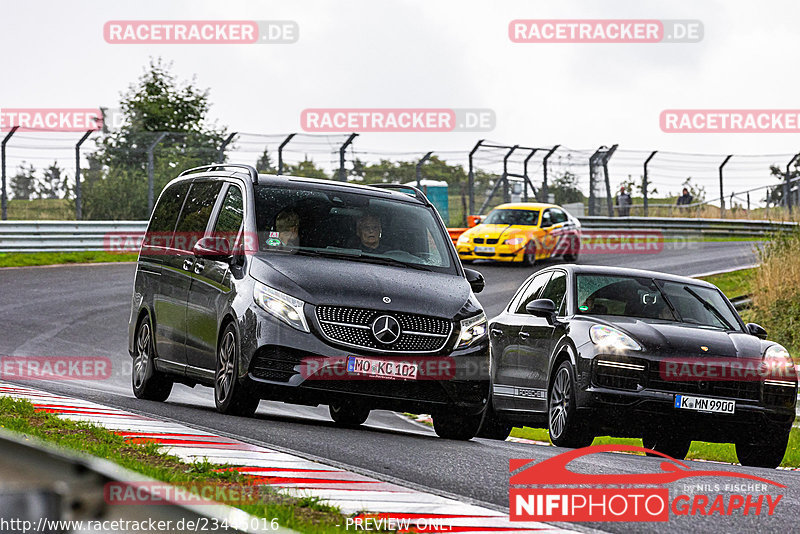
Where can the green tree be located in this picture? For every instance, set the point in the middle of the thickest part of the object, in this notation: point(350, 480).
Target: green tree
point(564, 188)
point(156, 102)
point(264, 164)
point(307, 169)
point(23, 184)
point(53, 183)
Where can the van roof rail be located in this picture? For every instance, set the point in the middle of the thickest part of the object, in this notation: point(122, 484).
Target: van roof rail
point(222, 166)
point(408, 188)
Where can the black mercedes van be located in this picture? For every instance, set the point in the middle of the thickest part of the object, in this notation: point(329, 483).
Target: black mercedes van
point(311, 292)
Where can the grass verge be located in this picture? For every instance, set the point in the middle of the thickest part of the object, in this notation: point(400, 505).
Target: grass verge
point(29, 259)
point(700, 450)
point(303, 514)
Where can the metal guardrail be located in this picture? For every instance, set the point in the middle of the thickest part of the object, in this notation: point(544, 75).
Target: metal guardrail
point(43, 484)
point(64, 236)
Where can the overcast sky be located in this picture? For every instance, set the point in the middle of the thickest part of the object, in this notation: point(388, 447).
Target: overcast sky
point(453, 54)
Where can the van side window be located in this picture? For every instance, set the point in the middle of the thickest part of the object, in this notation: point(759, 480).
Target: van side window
point(196, 212)
point(165, 215)
point(231, 215)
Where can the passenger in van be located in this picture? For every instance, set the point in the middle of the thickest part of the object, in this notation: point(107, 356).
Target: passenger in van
point(287, 225)
point(369, 232)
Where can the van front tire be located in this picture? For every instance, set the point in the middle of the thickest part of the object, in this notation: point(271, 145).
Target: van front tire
point(230, 394)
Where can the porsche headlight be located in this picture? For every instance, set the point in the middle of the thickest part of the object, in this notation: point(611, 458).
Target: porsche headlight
point(609, 338)
point(778, 359)
point(472, 330)
point(285, 307)
point(514, 241)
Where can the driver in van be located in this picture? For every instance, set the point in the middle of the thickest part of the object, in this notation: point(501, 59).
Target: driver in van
point(369, 232)
point(287, 224)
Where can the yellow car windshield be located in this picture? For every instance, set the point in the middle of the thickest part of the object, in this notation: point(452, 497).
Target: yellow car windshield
point(512, 216)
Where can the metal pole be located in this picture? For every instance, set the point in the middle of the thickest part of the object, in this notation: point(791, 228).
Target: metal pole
point(544, 191)
point(593, 160)
point(645, 181)
point(225, 143)
point(340, 175)
point(787, 184)
point(505, 172)
point(78, 195)
point(4, 194)
point(425, 158)
point(280, 152)
point(721, 193)
point(527, 178)
point(606, 157)
point(471, 177)
point(151, 172)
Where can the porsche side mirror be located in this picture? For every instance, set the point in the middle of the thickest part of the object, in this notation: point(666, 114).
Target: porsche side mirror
point(542, 308)
point(756, 330)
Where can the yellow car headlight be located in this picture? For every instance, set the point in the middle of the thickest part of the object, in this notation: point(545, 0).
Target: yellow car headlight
point(514, 241)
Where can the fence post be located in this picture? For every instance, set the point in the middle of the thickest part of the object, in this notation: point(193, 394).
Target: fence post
point(280, 152)
point(4, 193)
point(78, 194)
point(544, 191)
point(787, 184)
point(525, 174)
point(225, 143)
point(606, 157)
point(425, 158)
point(505, 173)
point(151, 172)
point(471, 177)
point(340, 175)
point(721, 193)
point(645, 181)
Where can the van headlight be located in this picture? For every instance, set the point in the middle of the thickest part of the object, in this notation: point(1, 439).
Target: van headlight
point(472, 330)
point(285, 307)
point(609, 338)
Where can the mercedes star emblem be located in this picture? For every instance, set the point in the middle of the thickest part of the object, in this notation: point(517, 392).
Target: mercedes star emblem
point(386, 329)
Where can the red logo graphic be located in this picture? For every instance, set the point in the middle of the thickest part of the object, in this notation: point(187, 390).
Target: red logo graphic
point(620, 497)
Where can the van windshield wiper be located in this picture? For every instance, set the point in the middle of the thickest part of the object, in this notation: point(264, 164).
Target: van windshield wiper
point(359, 256)
point(710, 307)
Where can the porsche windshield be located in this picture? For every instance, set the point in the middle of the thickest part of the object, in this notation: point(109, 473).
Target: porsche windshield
point(516, 217)
point(649, 298)
point(317, 220)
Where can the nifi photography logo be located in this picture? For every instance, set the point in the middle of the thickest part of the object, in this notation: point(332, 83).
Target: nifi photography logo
point(549, 491)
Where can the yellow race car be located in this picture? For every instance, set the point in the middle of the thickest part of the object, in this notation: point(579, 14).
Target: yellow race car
point(522, 232)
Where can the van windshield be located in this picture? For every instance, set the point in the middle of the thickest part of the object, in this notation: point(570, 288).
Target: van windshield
point(306, 219)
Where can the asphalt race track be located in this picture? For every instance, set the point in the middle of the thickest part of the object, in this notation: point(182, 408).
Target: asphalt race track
point(83, 310)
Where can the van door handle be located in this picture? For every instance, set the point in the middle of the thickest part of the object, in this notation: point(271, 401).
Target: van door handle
point(199, 265)
point(496, 332)
point(187, 264)
point(524, 335)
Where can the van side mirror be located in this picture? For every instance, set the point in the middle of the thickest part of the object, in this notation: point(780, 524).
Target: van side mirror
point(475, 279)
point(213, 248)
point(756, 330)
point(542, 308)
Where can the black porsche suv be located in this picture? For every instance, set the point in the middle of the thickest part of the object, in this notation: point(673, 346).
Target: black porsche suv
point(589, 350)
point(310, 292)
